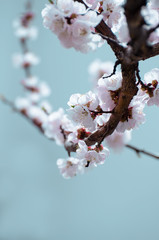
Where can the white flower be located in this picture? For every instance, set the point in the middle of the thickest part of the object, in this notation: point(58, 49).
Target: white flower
point(36, 113)
point(36, 90)
point(25, 60)
point(91, 156)
point(152, 78)
point(108, 91)
point(26, 32)
point(70, 167)
point(30, 82)
point(117, 140)
point(81, 115)
point(55, 124)
point(46, 107)
point(112, 12)
point(81, 107)
point(90, 100)
point(123, 32)
point(134, 116)
point(98, 68)
point(113, 83)
point(44, 89)
point(22, 103)
point(100, 120)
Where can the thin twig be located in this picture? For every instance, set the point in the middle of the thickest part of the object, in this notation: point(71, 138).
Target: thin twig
point(153, 29)
point(138, 76)
point(101, 111)
point(22, 113)
point(114, 41)
point(114, 69)
point(138, 151)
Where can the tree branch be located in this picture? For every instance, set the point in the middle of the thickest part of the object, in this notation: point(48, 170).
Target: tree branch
point(35, 122)
point(128, 91)
point(138, 151)
point(136, 25)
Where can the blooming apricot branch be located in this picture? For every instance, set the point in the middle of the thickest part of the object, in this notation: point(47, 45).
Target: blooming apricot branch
point(108, 113)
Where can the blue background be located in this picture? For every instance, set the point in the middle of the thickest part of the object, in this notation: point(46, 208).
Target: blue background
point(116, 201)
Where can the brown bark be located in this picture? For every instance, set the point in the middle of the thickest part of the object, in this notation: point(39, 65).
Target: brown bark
point(128, 90)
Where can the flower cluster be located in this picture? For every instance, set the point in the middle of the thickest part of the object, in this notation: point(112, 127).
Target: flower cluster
point(73, 24)
point(32, 105)
point(88, 112)
point(86, 157)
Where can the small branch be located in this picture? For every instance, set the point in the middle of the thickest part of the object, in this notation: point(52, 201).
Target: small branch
point(154, 52)
point(35, 122)
point(117, 48)
point(136, 23)
point(138, 151)
point(138, 77)
point(8, 102)
point(114, 69)
point(153, 29)
point(29, 5)
point(101, 111)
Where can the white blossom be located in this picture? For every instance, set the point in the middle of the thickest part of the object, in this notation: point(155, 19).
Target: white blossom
point(70, 167)
point(22, 103)
point(98, 68)
point(112, 12)
point(81, 106)
point(91, 156)
point(117, 140)
point(24, 60)
point(107, 90)
point(30, 82)
point(55, 124)
point(34, 112)
point(134, 117)
point(46, 106)
point(152, 78)
point(25, 32)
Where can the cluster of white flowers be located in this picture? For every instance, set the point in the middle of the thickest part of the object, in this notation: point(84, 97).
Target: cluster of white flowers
point(73, 24)
point(86, 157)
point(32, 105)
point(57, 126)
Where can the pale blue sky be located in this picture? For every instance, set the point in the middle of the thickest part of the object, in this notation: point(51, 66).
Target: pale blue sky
point(116, 201)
